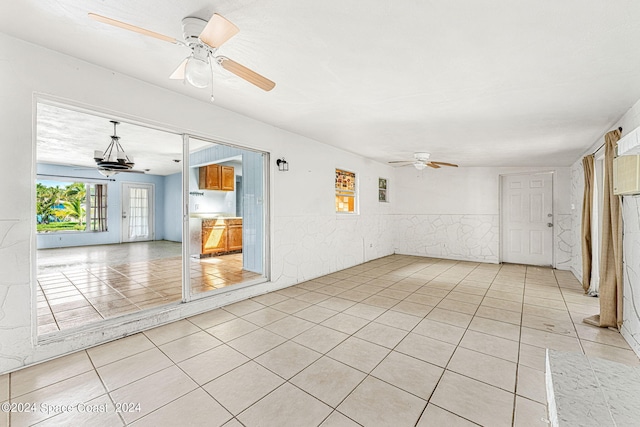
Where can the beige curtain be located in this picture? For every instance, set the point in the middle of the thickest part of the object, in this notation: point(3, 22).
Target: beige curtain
point(587, 204)
point(611, 250)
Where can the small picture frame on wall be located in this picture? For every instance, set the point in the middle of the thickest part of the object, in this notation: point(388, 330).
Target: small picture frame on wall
point(382, 190)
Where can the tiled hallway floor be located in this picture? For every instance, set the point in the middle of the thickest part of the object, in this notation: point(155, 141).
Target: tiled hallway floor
point(77, 286)
point(399, 341)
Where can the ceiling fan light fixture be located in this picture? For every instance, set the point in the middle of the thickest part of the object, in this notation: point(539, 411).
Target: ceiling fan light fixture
point(197, 71)
point(419, 165)
point(204, 38)
point(107, 172)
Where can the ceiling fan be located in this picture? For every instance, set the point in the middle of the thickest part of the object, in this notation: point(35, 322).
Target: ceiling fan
point(203, 38)
point(114, 159)
point(421, 161)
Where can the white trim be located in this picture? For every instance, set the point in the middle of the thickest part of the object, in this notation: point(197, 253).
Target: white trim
point(186, 235)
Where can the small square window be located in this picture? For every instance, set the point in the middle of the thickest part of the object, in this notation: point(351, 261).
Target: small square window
point(383, 195)
point(345, 186)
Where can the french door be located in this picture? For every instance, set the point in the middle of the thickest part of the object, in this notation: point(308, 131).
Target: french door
point(137, 212)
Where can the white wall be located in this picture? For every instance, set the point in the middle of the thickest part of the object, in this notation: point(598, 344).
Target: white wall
point(173, 207)
point(631, 236)
point(309, 239)
point(454, 212)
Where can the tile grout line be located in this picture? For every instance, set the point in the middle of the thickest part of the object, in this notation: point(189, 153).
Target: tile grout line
point(369, 321)
point(108, 393)
point(367, 374)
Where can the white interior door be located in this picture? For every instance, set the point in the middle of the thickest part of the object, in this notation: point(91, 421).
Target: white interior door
point(137, 212)
point(527, 219)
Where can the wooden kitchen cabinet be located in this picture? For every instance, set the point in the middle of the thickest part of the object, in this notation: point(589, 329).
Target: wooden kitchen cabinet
point(214, 236)
point(216, 177)
point(220, 236)
point(227, 178)
point(209, 178)
point(234, 234)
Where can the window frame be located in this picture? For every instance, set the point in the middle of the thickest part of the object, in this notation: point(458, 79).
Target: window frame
point(88, 206)
point(383, 190)
point(344, 191)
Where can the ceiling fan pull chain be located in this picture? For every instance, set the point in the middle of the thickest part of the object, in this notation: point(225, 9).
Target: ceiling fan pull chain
point(211, 59)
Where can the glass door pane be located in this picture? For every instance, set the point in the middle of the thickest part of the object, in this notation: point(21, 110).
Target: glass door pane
point(226, 216)
point(137, 212)
point(93, 264)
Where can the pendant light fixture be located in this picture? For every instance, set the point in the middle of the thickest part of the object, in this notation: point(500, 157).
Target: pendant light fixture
point(113, 159)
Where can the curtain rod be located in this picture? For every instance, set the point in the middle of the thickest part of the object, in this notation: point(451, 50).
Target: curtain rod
point(619, 128)
point(76, 177)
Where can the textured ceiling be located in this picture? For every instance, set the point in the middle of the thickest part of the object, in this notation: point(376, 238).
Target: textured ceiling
point(68, 137)
point(480, 83)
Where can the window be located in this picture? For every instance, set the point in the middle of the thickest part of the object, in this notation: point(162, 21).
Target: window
point(63, 206)
point(382, 190)
point(345, 191)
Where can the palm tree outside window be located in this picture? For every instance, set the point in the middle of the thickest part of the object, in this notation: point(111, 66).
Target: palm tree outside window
point(70, 206)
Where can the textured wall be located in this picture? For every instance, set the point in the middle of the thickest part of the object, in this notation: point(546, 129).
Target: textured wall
point(631, 251)
point(470, 237)
point(455, 213)
point(577, 190)
point(631, 236)
point(303, 196)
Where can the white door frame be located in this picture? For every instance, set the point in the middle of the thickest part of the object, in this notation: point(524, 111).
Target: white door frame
point(124, 236)
point(501, 213)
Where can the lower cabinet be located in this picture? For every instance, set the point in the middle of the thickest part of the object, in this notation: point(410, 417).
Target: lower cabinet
point(234, 234)
point(221, 235)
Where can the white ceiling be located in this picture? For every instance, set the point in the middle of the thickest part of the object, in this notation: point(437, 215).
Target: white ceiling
point(479, 83)
point(68, 137)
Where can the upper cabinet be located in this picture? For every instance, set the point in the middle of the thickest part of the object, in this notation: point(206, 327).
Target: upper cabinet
point(228, 178)
point(209, 177)
point(216, 177)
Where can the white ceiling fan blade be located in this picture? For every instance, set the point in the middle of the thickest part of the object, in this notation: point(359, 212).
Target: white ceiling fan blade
point(401, 161)
point(245, 73)
point(218, 30)
point(133, 28)
point(178, 74)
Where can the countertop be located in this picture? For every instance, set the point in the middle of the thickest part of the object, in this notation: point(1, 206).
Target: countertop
point(213, 215)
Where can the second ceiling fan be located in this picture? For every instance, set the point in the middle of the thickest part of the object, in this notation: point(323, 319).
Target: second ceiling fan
point(421, 161)
point(203, 38)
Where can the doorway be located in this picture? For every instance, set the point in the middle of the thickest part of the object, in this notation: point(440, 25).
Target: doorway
point(137, 212)
point(111, 244)
point(226, 216)
point(527, 218)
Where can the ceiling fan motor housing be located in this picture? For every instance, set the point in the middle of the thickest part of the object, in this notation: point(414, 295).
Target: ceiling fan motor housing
point(422, 157)
point(191, 29)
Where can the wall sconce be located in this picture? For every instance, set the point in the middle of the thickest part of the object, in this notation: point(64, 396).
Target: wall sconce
point(283, 165)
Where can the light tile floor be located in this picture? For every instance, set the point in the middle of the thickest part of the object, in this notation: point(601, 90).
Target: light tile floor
point(399, 341)
point(77, 286)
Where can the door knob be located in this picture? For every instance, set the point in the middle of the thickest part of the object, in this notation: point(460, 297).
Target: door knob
point(549, 224)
